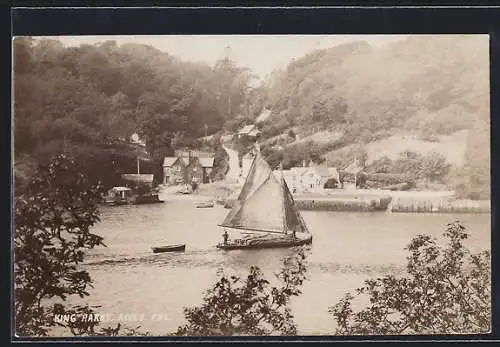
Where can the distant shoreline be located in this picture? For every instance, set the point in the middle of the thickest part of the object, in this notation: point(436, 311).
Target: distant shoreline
point(363, 200)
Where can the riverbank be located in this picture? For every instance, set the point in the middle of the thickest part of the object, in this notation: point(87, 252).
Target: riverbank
point(439, 206)
point(360, 200)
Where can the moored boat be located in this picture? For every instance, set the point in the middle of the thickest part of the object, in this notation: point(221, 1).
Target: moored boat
point(266, 211)
point(204, 204)
point(147, 199)
point(117, 196)
point(169, 248)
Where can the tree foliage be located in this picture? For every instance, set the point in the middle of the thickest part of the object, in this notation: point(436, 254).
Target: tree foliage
point(53, 221)
point(424, 89)
point(90, 99)
point(248, 306)
point(446, 290)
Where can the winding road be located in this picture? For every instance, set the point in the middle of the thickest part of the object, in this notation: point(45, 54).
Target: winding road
point(234, 168)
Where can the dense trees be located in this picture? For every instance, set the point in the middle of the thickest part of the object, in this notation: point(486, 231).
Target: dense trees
point(92, 98)
point(426, 86)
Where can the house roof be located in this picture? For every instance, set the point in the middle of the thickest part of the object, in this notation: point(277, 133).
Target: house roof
point(263, 116)
point(254, 132)
point(120, 189)
point(169, 161)
point(247, 129)
point(206, 162)
point(324, 171)
point(144, 178)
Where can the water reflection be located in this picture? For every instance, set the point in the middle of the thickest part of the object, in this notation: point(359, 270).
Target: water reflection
point(347, 249)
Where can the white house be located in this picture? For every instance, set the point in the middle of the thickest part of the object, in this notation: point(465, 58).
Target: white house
point(307, 179)
point(311, 179)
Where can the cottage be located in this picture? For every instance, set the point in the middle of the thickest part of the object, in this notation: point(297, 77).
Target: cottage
point(174, 170)
point(207, 165)
point(249, 131)
point(304, 179)
point(194, 170)
point(187, 167)
point(311, 179)
point(326, 173)
point(293, 178)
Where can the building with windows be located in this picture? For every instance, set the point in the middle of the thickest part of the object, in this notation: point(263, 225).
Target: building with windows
point(250, 131)
point(187, 167)
point(174, 171)
point(308, 179)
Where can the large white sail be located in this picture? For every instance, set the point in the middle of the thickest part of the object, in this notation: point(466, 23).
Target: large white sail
point(264, 203)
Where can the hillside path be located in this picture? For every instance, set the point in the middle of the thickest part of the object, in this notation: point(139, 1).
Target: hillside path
point(234, 168)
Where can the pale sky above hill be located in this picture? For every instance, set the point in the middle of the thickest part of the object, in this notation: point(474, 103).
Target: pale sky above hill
point(261, 53)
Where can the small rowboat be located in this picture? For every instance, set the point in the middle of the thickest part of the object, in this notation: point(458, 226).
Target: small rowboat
point(204, 204)
point(171, 248)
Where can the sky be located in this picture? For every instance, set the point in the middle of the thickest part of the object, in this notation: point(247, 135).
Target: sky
point(261, 53)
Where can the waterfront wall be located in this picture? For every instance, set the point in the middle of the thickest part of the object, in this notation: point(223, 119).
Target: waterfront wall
point(351, 205)
point(443, 206)
point(367, 200)
point(385, 204)
point(329, 204)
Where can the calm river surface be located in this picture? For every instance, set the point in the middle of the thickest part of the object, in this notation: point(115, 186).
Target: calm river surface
point(347, 249)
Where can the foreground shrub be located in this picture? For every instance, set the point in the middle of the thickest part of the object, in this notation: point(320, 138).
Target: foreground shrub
point(446, 291)
point(250, 306)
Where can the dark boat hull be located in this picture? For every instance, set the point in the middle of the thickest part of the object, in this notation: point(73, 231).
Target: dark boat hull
point(148, 202)
point(175, 248)
point(117, 203)
point(204, 205)
point(269, 243)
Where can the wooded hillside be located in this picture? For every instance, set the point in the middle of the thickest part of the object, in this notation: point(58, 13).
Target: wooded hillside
point(88, 101)
point(425, 87)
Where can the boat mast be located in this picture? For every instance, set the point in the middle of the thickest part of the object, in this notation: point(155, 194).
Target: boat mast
point(283, 198)
point(355, 170)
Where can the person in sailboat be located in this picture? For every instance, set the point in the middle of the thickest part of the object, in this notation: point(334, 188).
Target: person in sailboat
point(225, 236)
point(265, 209)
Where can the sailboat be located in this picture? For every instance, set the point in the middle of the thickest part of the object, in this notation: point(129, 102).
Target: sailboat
point(265, 213)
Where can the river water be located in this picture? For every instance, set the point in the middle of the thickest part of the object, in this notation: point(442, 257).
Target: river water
point(347, 249)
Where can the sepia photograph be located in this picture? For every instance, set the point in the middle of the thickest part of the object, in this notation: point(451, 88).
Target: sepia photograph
point(251, 185)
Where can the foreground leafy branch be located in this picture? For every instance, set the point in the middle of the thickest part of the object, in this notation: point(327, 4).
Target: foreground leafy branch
point(250, 306)
point(53, 220)
point(446, 290)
